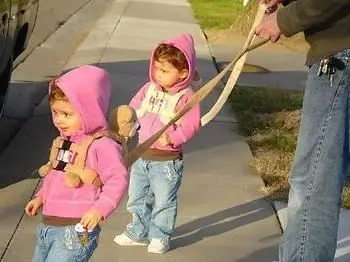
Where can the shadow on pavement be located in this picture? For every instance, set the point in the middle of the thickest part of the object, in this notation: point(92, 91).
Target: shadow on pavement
point(220, 222)
point(262, 255)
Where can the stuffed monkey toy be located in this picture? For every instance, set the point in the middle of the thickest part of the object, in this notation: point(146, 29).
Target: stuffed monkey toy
point(124, 125)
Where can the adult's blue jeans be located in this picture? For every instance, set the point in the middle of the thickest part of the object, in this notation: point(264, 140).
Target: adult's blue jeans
point(319, 169)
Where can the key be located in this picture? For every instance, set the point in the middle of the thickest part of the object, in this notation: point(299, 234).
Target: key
point(331, 74)
point(326, 65)
point(331, 80)
point(319, 71)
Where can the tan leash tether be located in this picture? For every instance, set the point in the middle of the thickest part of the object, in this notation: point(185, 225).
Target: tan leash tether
point(237, 69)
point(205, 90)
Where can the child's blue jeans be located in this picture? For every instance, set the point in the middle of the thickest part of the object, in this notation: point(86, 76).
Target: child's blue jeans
point(62, 244)
point(153, 198)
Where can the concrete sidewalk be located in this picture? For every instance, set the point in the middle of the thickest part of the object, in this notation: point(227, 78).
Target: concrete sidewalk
point(222, 215)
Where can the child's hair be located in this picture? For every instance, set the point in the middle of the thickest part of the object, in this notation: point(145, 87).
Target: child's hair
point(172, 55)
point(56, 94)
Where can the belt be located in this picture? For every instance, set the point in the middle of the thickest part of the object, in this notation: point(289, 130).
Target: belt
point(60, 221)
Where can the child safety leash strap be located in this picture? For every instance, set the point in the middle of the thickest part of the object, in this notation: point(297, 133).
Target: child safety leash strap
point(205, 90)
point(236, 71)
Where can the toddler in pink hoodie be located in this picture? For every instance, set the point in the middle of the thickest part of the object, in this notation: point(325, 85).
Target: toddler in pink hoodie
point(156, 177)
point(70, 226)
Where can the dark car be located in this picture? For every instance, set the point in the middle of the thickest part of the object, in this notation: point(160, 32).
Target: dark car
point(16, 26)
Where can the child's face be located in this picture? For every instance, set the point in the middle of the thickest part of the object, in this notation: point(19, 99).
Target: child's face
point(65, 118)
point(167, 75)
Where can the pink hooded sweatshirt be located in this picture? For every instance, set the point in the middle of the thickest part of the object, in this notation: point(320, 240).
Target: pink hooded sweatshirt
point(190, 123)
point(88, 88)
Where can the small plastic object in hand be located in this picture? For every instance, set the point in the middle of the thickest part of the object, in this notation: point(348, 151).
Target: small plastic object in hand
point(83, 233)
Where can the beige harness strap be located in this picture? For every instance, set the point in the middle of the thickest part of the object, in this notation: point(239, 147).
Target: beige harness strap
point(123, 141)
point(45, 169)
point(86, 175)
point(56, 145)
point(202, 93)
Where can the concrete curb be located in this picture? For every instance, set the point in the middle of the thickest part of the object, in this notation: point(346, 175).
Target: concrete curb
point(100, 33)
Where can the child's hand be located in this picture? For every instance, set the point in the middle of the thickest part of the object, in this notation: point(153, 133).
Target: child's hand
point(91, 219)
point(164, 140)
point(33, 206)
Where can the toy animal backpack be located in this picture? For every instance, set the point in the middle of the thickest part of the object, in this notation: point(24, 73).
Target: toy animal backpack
point(123, 126)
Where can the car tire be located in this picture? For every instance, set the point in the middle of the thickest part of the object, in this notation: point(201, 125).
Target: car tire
point(5, 79)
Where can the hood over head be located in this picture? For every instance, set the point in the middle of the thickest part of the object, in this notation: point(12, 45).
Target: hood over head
point(88, 89)
point(185, 44)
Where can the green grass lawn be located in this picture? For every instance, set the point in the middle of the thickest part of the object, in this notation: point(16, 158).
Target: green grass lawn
point(269, 119)
point(219, 15)
point(216, 14)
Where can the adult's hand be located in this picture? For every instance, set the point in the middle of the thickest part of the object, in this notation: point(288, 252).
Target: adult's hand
point(269, 28)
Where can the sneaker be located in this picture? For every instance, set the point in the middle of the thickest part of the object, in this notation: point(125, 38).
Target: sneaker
point(158, 246)
point(124, 240)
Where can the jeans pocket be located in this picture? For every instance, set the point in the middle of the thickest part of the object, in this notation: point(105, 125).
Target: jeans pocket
point(173, 170)
point(327, 81)
point(86, 247)
point(343, 55)
point(71, 240)
point(178, 165)
point(41, 232)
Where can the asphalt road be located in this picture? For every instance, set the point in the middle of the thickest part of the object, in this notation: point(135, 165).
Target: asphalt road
point(52, 14)
point(60, 28)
